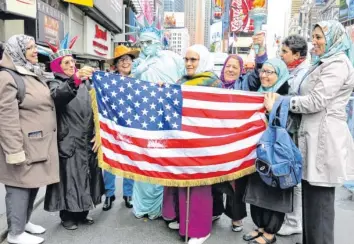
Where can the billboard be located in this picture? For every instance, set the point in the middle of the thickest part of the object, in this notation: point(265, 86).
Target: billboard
point(216, 36)
point(217, 10)
point(239, 15)
point(113, 9)
point(50, 23)
point(173, 19)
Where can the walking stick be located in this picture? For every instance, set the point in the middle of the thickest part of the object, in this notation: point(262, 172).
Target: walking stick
point(187, 212)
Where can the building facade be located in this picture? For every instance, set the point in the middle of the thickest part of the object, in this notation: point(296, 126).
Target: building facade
point(174, 5)
point(179, 40)
point(195, 21)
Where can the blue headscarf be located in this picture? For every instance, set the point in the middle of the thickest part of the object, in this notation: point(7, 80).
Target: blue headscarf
point(282, 72)
point(337, 40)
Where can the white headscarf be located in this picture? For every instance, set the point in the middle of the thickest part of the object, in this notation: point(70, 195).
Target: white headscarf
point(206, 61)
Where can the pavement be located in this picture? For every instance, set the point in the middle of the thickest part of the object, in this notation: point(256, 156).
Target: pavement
point(119, 226)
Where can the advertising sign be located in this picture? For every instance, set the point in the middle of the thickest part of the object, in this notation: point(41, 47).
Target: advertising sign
point(50, 23)
point(343, 10)
point(113, 9)
point(216, 36)
point(239, 17)
point(173, 19)
point(26, 8)
point(98, 39)
point(217, 10)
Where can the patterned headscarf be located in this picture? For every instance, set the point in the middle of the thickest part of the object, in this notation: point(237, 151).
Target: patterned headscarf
point(282, 72)
point(206, 62)
point(230, 83)
point(16, 48)
point(337, 40)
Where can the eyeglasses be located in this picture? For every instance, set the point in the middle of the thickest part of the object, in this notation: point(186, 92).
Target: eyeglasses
point(31, 48)
point(145, 43)
point(267, 72)
point(193, 60)
point(68, 62)
point(125, 60)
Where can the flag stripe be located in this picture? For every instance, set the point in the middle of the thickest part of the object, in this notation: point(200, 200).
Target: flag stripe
point(221, 123)
point(222, 106)
point(167, 175)
point(180, 161)
point(214, 90)
point(185, 152)
point(178, 143)
point(152, 167)
point(209, 131)
point(217, 114)
point(234, 98)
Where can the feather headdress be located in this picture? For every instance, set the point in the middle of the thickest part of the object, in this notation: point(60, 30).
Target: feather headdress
point(60, 50)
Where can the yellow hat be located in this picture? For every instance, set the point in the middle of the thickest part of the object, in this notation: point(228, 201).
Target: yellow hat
point(122, 50)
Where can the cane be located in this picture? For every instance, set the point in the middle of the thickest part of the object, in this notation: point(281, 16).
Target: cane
point(187, 213)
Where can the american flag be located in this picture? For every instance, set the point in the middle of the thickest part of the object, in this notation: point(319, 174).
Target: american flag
point(176, 135)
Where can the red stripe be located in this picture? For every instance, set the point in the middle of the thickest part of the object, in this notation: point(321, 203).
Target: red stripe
point(210, 131)
point(177, 161)
point(217, 114)
point(154, 174)
point(185, 143)
point(228, 98)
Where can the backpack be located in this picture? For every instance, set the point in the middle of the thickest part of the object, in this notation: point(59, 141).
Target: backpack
point(279, 161)
point(21, 87)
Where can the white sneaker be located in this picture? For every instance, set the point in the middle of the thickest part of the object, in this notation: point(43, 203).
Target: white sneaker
point(287, 230)
point(24, 238)
point(198, 240)
point(173, 225)
point(34, 229)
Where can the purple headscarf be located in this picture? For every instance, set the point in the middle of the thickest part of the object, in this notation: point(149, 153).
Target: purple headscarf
point(230, 83)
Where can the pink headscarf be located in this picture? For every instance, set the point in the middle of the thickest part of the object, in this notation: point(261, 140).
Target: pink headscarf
point(55, 67)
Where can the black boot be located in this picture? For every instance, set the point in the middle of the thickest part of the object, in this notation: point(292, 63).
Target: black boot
point(128, 201)
point(108, 203)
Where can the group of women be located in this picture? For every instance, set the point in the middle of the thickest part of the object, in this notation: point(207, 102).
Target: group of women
point(47, 139)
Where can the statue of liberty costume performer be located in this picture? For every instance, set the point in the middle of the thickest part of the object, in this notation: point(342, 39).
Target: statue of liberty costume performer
point(159, 66)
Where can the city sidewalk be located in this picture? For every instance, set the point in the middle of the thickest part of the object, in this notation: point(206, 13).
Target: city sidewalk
point(119, 226)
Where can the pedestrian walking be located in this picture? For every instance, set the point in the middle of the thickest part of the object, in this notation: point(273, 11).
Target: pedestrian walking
point(28, 142)
point(81, 182)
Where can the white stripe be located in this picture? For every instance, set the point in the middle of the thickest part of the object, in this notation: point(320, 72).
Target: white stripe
point(213, 90)
point(146, 166)
point(221, 106)
point(152, 135)
point(183, 152)
point(221, 123)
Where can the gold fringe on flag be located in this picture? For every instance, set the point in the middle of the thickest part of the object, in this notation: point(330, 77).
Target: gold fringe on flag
point(160, 181)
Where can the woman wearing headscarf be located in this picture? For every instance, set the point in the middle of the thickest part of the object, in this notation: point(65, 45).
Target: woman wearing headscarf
point(81, 183)
point(324, 137)
point(28, 137)
point(199, 66)
point(268, 204)
point(233, 77)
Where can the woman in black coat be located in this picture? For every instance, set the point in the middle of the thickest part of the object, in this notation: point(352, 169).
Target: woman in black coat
point(81, 183)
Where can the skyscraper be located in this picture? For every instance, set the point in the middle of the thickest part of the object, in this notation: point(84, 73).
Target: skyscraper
point(197, 20)
point(174, 5)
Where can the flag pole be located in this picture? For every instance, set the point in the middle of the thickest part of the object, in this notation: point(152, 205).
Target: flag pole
point(187, 212)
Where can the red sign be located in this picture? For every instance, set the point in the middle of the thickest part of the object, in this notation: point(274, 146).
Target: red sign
point(99, 42)
point(239, 17)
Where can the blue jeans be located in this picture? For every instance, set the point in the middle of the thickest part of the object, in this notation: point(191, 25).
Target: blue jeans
point(110, 185)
